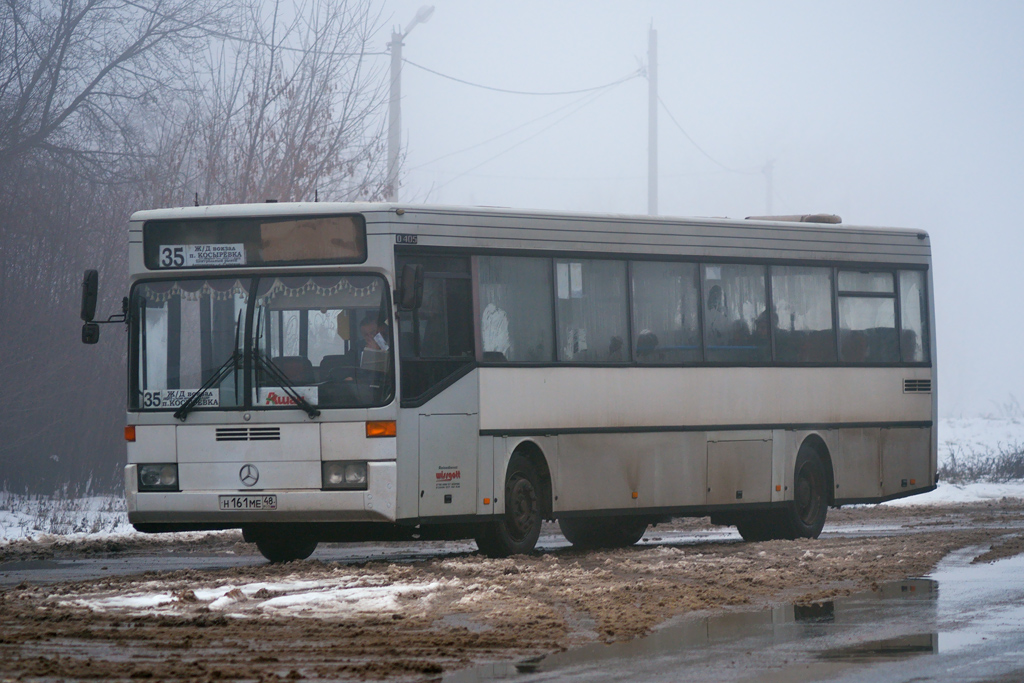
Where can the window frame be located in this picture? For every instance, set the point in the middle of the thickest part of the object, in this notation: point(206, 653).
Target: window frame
point(412, 355)
point(894, 296)
point(628, 359)
point(832, 264)
point(248, 322)
point(701, 353)
point(702, 276)
point(926, 319)
point(833, 278)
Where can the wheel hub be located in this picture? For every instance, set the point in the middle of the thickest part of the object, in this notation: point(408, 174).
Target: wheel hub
point(522, 512)
point(806, 496)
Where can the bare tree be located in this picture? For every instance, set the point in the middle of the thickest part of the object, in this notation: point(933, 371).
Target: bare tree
point(292, 110)
point(73, 72)
point(108, 106)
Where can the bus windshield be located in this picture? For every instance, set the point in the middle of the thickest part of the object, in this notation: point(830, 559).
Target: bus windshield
point(260, 342)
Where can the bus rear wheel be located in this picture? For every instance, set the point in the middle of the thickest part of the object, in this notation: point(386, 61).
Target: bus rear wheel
point(805, 515)
point(284, 545)
point(516, 532)
point(602, 532)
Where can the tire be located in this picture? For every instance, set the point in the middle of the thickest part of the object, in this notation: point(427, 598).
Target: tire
point(517, 531)
point(602, 532)
point(805, 516)
point(285, 545)
point(761, 526)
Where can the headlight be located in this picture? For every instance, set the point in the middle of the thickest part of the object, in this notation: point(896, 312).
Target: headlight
point(344, 475)
point(158, 477)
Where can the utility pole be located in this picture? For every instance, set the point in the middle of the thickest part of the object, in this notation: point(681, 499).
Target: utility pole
point(394, 115)
point(769, 190)
point(652, 122)
point(395, 100)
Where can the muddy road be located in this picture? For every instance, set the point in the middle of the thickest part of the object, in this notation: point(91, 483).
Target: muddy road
point(208, 607)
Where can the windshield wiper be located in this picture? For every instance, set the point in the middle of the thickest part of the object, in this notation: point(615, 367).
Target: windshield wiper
point(233, 363)
point(278, 376)
point(289, 388)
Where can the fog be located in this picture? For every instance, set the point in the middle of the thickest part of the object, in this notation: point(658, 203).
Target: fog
point(888, 114)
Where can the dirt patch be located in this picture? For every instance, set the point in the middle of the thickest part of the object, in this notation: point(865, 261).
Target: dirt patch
point(57, 547)
point(405, 621)
point(1002, 547)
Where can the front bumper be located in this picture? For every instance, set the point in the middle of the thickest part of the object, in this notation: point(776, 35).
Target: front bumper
point(376, 504)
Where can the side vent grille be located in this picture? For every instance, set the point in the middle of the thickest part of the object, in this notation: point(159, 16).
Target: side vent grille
point(917, 386)
point(248, 433)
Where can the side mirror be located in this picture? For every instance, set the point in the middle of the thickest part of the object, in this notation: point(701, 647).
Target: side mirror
point(90, 333)
point(90, 290)
point(410, 289)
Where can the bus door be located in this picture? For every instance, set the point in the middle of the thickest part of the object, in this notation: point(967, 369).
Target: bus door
point(436, 346)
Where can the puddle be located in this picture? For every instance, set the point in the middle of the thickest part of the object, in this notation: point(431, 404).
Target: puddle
point(959, 606)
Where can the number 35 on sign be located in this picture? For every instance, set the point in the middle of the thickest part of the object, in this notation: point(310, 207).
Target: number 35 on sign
point(199, 255)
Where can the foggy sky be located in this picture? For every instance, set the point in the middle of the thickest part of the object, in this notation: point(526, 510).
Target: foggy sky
point(902, 114)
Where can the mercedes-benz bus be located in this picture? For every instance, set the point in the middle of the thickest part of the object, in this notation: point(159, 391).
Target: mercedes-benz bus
point(315, 372)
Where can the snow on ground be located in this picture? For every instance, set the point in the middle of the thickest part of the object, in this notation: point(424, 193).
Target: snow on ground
point(978, 492)
point(325, 597)
point(978, 435)
point(43, 518)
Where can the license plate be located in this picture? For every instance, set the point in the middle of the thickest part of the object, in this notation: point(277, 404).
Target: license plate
point(247, 502)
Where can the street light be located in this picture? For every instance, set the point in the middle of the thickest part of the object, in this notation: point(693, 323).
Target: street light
point(395, 104)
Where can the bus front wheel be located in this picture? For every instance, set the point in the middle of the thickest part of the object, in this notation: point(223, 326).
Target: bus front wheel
point(516, 532)
point(284, 545)
point(759, 527)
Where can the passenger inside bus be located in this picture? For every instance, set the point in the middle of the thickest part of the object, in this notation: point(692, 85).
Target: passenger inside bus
point(647, 347)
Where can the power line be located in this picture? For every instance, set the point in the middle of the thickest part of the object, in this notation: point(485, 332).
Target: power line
point(288, 48)
point(635, 74)
point(568, 179)
point(701, 149)
point(590, 99)
point(499, 135)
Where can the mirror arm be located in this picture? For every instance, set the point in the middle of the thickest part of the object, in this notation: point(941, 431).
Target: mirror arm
point(121, 317)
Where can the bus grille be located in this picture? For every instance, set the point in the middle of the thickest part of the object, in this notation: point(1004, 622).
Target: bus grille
point(248, 433)
point(917, 386)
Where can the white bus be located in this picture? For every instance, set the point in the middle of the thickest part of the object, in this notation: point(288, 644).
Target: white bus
point(341, 372)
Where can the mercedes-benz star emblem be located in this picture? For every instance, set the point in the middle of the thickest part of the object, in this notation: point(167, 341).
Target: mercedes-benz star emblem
point(249, 475)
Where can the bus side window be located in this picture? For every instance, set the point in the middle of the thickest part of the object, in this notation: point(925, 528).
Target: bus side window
point(666, 326)
point(437, 340)
point(802, 305)
point(913, 317)
point(867, 317)
point(591, 310)
point(516, 317)
point(735, 314)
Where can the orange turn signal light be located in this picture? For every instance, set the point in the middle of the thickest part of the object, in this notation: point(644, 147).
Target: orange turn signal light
point(635, 495)
point(380, 428)
point(129, 433)
point(487, 501)
point(778, 487)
